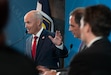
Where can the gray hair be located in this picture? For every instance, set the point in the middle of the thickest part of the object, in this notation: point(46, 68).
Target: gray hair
point(39, 16)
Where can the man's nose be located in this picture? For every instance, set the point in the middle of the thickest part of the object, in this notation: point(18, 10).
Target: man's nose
point(25, 25)
point(70, 28)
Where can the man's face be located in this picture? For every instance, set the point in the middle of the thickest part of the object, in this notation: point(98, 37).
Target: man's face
point(74, 27)
point(83, 29)
point(31, 23)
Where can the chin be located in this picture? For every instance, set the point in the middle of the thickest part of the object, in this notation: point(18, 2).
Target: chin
point(29, 33)
point(75, 36)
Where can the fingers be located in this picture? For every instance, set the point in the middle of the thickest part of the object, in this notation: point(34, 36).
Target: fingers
point(57, 40)
point(51, 38)
point(58, 33)
point(51, 72)
point(45, 71)
point(42, 69)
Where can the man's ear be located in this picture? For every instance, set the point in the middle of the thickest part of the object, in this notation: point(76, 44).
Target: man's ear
point(38, 22)
point(87, 27)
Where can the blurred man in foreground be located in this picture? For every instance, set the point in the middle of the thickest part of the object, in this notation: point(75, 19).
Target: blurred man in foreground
point(95, 28)
point(11, 61)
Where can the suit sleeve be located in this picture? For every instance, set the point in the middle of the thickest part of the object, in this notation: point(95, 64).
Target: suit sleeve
point(61, 53)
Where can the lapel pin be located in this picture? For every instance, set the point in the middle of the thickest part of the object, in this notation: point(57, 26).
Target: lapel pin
point(43, 37)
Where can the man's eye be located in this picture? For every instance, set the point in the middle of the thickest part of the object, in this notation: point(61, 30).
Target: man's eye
point(72, 26)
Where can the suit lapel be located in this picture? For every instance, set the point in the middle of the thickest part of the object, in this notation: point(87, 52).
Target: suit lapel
point(29, 46)
point(81, 47)
point(40, 42)
point(97, 43)
point(100, 41)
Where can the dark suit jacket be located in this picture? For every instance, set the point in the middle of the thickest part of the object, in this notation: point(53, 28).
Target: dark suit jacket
point(15, 63)
point(47, 54)
point(95, 60)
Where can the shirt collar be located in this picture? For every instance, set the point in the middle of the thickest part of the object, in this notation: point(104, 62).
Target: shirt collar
point(38, 34)
point(92, 41)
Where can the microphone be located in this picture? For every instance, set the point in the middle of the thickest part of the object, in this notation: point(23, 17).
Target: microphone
point(71, 46)
point(20, 39)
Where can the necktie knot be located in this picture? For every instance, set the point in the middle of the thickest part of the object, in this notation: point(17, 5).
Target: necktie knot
point(82, 46)
point(35, 37)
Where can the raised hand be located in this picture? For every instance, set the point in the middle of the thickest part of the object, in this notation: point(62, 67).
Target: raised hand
point(57, 40)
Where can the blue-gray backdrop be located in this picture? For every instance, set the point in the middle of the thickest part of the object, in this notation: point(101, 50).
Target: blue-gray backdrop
point(16, 28)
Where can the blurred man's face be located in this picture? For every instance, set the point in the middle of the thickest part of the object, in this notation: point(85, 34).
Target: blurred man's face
point(83, 29)
point(74, 27)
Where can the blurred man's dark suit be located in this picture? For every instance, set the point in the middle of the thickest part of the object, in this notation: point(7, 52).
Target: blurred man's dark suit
point(12, 62)
point(99, 54)
point(15, 63)
point(64, 71)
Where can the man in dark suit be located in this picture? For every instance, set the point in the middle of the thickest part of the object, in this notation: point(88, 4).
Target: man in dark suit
point(95, 29)
point(49, 47)
point(11, 61)
point(74, 21)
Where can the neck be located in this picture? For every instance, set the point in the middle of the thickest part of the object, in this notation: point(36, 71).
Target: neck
point(90, 38)
point(37, 31)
